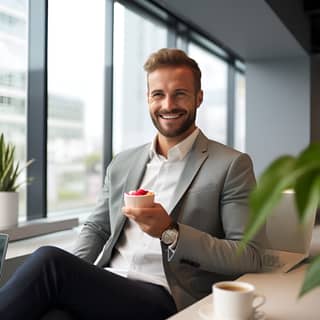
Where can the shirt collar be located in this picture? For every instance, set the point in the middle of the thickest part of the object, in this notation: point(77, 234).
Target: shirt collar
point(180, 150)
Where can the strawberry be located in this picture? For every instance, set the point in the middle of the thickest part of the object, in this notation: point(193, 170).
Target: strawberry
point(139, 192)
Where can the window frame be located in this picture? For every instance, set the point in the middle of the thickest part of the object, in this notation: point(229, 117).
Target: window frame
point(37, 108)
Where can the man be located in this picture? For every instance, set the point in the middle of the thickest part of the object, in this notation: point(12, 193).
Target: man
point(151, 262)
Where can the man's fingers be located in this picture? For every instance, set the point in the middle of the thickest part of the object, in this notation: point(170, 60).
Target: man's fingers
point(130, 216)
point(127, 212)
point(137, 212)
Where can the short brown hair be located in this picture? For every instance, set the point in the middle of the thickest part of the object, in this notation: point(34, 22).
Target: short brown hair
point(173, 57)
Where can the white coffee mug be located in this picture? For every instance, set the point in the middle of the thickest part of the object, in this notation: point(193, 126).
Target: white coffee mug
point(235, 300)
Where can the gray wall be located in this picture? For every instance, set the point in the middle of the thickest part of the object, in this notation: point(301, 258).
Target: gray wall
point(278, 108)
point(315, 98)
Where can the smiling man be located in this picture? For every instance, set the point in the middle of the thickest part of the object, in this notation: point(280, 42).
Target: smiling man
point(147, 263)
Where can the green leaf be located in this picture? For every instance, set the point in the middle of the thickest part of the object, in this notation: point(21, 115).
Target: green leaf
point(286, 172)
point(307, 194)
point(25, 166)
point(279, 176)
point(9, 171)
point(310, 157)
point(301, 173)
point(5, 179)
point(278, 169)
point(312, 278)
point(1, 153)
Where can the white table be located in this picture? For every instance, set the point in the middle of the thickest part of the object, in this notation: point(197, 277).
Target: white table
point(281, 291)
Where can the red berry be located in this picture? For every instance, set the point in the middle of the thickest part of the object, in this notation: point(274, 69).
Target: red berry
point(141, 192)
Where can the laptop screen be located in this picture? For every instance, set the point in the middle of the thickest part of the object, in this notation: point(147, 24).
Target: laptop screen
point(3, 248)
point(287, 240)
point(283, 229)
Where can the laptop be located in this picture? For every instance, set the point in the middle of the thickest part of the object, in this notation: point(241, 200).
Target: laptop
point(287, 240)
point(3, 249)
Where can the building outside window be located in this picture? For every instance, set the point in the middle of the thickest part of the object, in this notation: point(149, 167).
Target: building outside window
point(75, 104)
point(13, 86)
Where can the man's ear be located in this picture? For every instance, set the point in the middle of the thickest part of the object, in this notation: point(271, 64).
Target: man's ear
point(147, 95)
point(199, 98)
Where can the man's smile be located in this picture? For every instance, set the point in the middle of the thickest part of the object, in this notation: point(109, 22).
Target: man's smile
point(171, 116)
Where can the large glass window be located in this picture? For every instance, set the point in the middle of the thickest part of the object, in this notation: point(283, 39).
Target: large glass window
point(240, 112)
point(76, 69)
point(75, 103)
point(212, 114)
point(13, 69)
point(135, 37)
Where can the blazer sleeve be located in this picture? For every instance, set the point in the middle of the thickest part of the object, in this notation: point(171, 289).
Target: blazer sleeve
point(96, 229)
point(220, 255)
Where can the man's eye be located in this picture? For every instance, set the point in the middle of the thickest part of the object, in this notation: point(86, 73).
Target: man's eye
point(156, 95)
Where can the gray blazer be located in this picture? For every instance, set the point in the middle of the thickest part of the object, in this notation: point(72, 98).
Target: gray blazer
point(210, 205)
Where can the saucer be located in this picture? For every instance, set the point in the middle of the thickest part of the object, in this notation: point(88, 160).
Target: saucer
point(206, 313)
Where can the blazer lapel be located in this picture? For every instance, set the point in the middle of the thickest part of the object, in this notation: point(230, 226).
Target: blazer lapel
point(132, 182)
point(197, 156)
point(137, 169)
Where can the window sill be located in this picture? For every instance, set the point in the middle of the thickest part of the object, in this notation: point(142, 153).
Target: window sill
point(19, 250)
point(62, 239)
point(39, 227)
point(58, 230)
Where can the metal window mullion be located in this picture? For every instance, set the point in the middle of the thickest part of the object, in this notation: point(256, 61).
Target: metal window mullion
point(230, 104)
point(184, 45)
point(108, 85)
point(183, 33)
point(172, 35)
point(37, 109)
point(172, 39)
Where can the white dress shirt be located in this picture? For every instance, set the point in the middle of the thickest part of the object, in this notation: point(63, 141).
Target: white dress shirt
point(138, 255)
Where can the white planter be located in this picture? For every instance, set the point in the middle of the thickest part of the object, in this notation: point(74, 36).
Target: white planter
point(9, 208)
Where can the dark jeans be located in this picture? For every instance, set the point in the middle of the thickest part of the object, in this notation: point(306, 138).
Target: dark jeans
point(52, 278)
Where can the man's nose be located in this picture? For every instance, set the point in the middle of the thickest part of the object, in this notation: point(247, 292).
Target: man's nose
point(168, 103)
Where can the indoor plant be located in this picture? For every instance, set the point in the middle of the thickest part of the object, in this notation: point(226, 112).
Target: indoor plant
point(9, 185)
point(300, 173)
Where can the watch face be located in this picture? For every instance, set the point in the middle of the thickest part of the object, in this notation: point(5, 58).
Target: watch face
point(169, 236)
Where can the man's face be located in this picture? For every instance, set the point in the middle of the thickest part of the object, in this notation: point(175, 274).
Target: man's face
point(173, 101)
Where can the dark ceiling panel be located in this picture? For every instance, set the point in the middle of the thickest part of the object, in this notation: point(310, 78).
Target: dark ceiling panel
point(312, 9)
point(311, 6)
point(315, 33)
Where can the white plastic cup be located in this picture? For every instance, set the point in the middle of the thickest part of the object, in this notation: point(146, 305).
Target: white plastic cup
point(143, 201)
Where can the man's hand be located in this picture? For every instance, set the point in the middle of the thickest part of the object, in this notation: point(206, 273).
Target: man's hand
point(152, 221)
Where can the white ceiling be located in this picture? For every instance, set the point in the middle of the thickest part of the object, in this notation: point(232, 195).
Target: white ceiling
point(249, 28)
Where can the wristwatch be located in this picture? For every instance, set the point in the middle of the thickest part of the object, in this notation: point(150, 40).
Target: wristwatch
point(170, 235)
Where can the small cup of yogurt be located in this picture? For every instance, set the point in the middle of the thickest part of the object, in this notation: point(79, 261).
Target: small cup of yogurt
point(139, 198)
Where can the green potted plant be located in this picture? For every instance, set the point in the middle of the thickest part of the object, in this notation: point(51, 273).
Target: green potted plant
point(301, 174)
point(9, 184)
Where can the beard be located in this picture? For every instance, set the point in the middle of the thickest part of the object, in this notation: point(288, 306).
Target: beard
point(175, 131)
